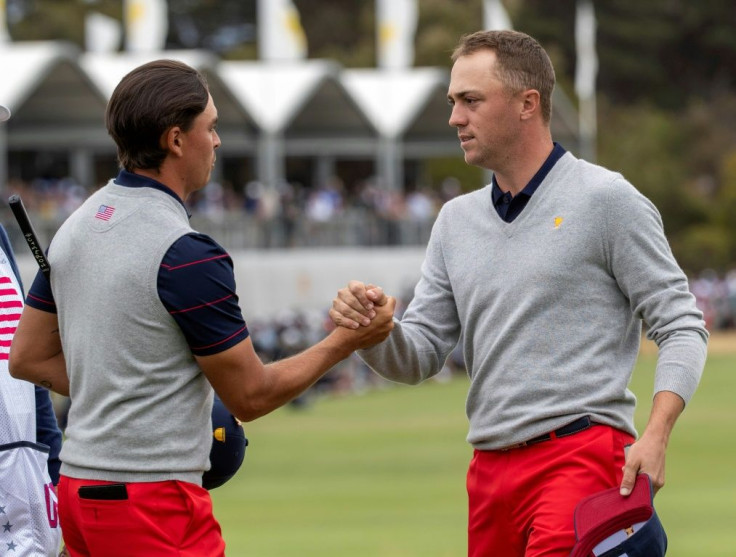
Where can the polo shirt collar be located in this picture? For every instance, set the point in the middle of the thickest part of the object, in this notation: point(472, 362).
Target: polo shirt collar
point(132, 180)
point(557, 152)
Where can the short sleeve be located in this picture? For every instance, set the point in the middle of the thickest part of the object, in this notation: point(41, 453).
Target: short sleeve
point(40, 295)
point(196, 284)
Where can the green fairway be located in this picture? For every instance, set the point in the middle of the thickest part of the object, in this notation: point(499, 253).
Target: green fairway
point(383, 474)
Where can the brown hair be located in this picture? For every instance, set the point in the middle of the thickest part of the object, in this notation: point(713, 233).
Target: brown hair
point(148, 101)
point(522, 63)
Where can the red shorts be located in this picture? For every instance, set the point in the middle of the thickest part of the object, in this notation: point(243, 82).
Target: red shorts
point(521, 501)
point(170, 518)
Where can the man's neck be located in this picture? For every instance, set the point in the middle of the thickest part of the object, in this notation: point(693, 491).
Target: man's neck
point(521, 166)
point(166, 179)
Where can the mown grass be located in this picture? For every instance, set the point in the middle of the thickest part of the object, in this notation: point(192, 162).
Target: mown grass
point(382, 474)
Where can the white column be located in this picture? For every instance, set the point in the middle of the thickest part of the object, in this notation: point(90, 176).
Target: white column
point(271, 163)
point(390, 163)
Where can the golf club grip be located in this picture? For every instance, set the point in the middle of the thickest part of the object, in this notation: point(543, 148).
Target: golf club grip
point(21, 216)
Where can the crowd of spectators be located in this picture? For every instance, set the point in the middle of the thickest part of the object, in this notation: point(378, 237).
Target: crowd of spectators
point(284, 216)
point(716, 297)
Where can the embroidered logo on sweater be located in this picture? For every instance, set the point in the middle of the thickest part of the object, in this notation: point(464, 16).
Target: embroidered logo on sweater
point(558, 222)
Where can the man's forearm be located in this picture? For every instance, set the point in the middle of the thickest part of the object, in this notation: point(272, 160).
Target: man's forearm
point(666, 408)
point(50, 374)
point(648, 454)
point(36, 354)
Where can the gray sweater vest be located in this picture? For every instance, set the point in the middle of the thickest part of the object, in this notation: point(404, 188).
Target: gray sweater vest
point(141, 406)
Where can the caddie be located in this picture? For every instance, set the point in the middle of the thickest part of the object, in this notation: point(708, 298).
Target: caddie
point(30, 439)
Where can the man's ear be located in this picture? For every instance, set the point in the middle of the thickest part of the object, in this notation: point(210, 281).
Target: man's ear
point(530, 104)
point(172, 140)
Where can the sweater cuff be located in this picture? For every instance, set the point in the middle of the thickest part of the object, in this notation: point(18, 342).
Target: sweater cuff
point(680, 364)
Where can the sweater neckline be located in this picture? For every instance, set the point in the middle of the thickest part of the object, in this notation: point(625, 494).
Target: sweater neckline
point(509, 228)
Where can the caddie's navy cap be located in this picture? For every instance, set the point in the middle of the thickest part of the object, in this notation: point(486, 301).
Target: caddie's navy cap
point(4, 113)
point(610, 525)
point(228, 446)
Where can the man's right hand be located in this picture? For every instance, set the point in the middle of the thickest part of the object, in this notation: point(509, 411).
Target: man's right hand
point(376, 331)
point(356, 304)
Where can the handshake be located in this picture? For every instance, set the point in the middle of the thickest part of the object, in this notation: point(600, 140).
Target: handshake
point(363, 314)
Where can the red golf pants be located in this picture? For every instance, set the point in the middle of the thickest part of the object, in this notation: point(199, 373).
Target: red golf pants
point(521, 501)
point(164, 519)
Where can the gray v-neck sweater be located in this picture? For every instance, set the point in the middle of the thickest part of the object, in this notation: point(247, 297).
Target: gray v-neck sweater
point(550, 307)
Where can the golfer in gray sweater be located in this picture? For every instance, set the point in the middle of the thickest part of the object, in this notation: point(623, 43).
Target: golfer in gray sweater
point(548, 272)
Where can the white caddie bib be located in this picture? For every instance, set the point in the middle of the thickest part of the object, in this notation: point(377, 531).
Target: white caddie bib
point(29, 524)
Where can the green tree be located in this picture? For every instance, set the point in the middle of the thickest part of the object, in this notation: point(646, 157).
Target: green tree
point(665, 51)
point(440, 25)
point(43, 20)
point(341, 30)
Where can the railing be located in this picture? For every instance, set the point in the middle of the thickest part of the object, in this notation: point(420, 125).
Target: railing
point(238, 230)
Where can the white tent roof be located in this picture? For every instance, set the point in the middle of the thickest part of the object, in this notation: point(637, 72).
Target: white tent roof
point(26, 64)
point(53, 101)
point(107, 69)
point(275, 92)
point(393, 98)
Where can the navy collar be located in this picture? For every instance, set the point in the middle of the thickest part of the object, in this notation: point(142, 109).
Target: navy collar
point(132, 180)
point(557, 152)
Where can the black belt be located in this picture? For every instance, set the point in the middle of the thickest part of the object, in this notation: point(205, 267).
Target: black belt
point(581, 424)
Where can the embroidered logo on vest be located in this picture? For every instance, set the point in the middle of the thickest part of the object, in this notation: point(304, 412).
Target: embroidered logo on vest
point(105, 212)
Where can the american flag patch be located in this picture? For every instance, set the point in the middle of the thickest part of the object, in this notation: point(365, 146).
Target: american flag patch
point(104, 212)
